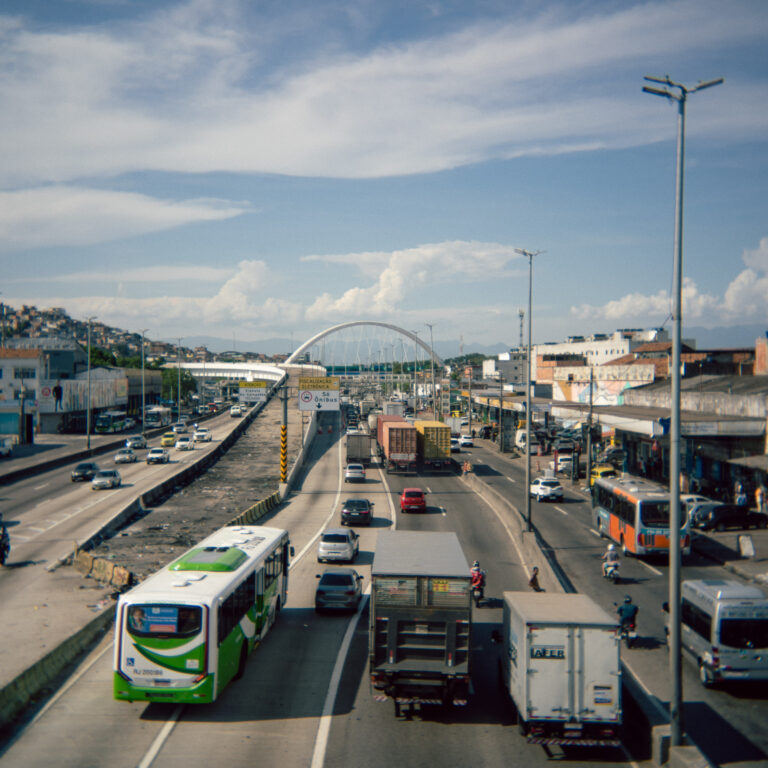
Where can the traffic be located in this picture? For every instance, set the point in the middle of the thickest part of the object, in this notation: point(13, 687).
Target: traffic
point(280, 695)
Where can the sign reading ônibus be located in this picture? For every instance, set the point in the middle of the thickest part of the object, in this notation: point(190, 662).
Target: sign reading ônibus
point(317, 393)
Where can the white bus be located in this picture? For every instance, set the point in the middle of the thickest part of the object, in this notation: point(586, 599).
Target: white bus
point(157, 416)
point(186, 631)
point(111, 421)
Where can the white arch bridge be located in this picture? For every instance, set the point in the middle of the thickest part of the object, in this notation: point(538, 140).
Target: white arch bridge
point(254, 371)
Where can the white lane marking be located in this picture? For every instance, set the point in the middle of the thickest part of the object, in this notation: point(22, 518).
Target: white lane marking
point(561, 511)
point(443, 512)
point(650, 568)
point(324, 727)
point(429, 490)
point(390, 500)
point(511, 480)
point(161, 738)
point(40, 487)
point(595, 533)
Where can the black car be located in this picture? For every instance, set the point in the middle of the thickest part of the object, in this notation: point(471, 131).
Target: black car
point(85, 471)
point(357, 512)
point(722, 516)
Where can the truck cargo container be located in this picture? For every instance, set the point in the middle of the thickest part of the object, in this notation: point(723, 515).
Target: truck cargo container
point(394, 408)
point(434, 445)
point(366, 406)
point(420, 619)
point(560, 663)
point(381, 419)
point(359, 448)
point(399, 446)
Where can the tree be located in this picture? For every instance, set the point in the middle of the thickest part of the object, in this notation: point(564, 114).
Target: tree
point(171, 382)
point(101, 356)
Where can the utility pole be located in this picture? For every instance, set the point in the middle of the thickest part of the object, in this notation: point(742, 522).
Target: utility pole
point(432, 362)
point(589, 429)
point(675, 661)
point(178, 390)
point(88, 412)
point(284, 434)
point(529, 255)
point(501, 412)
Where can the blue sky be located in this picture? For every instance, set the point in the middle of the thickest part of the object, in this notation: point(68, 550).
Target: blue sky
point(259, 169)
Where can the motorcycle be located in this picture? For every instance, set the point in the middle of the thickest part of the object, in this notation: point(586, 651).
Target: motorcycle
point(5, 550)
point(628, 632)
point(611, 571)
point(477, 594)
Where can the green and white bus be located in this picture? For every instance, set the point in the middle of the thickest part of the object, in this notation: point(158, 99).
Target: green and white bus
point(111, 421)
point(186, 631)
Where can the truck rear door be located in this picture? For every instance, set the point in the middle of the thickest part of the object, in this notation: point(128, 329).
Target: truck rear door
point(549, 694)
point(597, 655)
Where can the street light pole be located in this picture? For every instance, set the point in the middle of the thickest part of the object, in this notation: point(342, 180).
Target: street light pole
point(529, 255)
point(143, 391)
point(675, 662)
point(178, 390)
point(88, 412)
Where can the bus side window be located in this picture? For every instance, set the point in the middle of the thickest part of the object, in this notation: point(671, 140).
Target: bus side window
point(697, 619)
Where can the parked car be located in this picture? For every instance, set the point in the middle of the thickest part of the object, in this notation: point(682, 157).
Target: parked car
point(180, 427)
point(184, 443)
point(135, 442)
point(564, 463)
point(354, 473)
point(602, 470)
point(413, 500)
point(202, 435)
point(86, 470)
point(547, 489)
point(466, 441)
point(338, 544)
point(157, 456)
point(693, 500)
point(125, 456)
point(338, 588)
point(106, 478)
point(614, 455)
point(356, 512)
point(718, 517)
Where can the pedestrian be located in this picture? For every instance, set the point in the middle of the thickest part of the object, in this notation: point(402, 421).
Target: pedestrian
point(760, 498)
point(533, 582)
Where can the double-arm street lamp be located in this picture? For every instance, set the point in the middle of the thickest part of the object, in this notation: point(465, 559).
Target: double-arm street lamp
point(529, 255)
point(143, 390)
point(680, 95)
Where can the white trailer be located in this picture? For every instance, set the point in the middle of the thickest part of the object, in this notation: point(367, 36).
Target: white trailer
point(560, 663)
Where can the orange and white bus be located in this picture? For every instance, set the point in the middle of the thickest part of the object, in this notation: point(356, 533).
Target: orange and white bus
point(634, 513)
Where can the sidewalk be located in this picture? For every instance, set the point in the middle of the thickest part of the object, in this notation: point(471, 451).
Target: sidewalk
point(722, 548)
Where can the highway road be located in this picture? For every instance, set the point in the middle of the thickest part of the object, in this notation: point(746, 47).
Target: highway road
point(730, 723)
point(304, 699)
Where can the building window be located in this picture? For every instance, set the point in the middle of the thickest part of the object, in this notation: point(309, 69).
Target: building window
point(24, 373)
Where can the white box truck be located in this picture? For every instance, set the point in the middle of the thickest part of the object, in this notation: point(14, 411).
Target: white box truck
point(560, 663)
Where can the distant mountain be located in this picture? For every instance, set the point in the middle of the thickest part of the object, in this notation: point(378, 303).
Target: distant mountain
point(733, 336)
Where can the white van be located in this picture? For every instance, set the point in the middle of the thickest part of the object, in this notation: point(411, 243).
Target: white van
point(725, 629)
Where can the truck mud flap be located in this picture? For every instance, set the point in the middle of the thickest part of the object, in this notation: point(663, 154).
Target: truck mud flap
point(417, 700)
point(569, 742)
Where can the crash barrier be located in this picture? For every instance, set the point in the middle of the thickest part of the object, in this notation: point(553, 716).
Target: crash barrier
point(293, 473)
point(257, 510)
point(17, 694)
point(649, 732)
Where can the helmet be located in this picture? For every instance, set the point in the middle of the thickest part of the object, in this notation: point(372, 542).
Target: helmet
point(627, 599)
point(611, 547)
point(475, 565)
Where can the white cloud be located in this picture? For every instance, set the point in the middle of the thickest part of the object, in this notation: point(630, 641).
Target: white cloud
point(745, 299)
point(405, 272)
point(185, 91)
point(157, 274)
point(66, 216)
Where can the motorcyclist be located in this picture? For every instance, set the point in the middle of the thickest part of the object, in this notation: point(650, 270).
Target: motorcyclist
point(478, 578)
point(627, 612)
point(611, 556)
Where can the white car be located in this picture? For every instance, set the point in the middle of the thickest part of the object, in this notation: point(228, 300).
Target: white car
point(125, 456)
point(354, 473)
point(184, 443)
point(157, 456)
point(106, 478)
point(235, 411)
point(180, 427)
point(466, 441)
point(455, 445)
point(546, 488)
point(202, 435)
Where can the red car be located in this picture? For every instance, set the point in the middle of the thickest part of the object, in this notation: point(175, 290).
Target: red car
point(413, 500)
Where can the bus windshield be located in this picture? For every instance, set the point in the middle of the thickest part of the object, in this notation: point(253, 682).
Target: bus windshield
point(744, 633)
point(164, 620)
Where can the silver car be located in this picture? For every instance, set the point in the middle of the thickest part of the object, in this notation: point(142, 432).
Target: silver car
point(338, 588)
point(125, 456)
point(136, 441)
point(338, 544)
point(106, 478)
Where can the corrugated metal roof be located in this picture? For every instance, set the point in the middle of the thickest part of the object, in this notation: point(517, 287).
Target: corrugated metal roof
point(418, 553)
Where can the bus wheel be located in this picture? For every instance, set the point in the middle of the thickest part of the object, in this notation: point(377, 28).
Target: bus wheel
point(243, 659)
point(599, 528)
